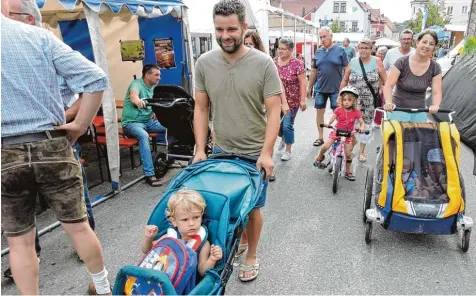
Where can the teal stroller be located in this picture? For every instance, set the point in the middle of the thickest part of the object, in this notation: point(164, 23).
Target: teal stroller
point(230, 185)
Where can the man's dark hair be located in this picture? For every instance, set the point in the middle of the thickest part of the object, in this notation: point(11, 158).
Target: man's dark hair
point(230, 7)
point(147, 68)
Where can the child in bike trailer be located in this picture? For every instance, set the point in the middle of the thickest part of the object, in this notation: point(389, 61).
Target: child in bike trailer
point(346, 114)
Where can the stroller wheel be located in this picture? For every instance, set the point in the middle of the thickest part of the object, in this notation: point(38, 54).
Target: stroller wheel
point(337, 172)
point(368, 232)
point(161, 165)
point(369, 182)
point(465, 240)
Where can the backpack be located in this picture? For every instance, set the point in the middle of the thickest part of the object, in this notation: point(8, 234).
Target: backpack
point(169, 256)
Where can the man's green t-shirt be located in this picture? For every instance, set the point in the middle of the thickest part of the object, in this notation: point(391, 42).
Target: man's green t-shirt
point(237, 93)
point(129, 112)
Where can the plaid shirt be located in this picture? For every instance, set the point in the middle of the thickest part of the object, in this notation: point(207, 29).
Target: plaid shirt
point(32, 60)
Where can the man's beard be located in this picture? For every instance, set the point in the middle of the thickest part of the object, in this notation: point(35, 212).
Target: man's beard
point(232, 48)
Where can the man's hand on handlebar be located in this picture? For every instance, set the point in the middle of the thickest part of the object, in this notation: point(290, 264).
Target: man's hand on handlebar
point(138, 103)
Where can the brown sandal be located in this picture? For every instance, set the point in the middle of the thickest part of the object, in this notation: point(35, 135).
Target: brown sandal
point(153, 181)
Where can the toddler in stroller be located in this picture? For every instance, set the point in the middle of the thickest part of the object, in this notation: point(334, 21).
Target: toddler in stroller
point(185, 209)
point(224, 218)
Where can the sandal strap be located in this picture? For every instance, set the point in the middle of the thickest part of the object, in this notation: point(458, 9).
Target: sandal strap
point(247, 268)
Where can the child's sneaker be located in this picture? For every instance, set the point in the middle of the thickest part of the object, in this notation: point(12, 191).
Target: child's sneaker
point(281, 146)
point(286, 156)
point(349, 176)
point(320, 163)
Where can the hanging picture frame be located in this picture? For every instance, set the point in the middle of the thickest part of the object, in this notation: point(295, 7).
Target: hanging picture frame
point(132, 50)
point(164, 53)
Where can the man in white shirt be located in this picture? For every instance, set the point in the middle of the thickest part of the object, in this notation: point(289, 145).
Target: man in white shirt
point(405, 49)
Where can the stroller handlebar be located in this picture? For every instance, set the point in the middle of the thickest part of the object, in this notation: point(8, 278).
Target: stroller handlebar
point(232, 156)
point(168, 105)
point(244, 157)
point(345, 131)
point(417, 110)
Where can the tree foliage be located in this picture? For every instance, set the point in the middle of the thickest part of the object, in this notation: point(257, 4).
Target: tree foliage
point(436, 16)
point(335, 26)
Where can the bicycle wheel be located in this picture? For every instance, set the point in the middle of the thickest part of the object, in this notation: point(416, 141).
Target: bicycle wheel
point(337, 170)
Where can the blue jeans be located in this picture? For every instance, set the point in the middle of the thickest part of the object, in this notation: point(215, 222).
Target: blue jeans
point(262, 199)
point(287, 126)
point(140, 132)
point(87, 200)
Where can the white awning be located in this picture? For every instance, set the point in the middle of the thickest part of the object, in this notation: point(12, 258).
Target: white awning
point(456, 28)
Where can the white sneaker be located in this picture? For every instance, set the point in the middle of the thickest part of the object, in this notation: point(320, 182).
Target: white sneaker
point(281, 145)
point(286, 156)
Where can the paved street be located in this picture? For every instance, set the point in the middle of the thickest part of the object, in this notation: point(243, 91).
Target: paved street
point(312, 241)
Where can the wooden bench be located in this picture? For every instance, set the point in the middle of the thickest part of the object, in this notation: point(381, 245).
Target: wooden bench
point(123, 142)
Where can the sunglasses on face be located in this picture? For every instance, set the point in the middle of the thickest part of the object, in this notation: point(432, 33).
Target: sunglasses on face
point(18, 13)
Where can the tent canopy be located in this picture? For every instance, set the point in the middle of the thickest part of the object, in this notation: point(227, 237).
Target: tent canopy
point(115, 6)
point(96, 28)
point(353, 37)
point(442, 33)
point(290, 34)
point(386, 42)
point(275, 14)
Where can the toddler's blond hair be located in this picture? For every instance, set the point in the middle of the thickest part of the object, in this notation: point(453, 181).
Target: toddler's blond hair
point(187, 199)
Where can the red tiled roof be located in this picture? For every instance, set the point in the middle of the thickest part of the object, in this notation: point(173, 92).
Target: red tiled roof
point(296, 6)
point(364, 6)
point(391, 25)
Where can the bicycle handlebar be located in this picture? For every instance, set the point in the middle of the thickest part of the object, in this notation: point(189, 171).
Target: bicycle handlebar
point(356, 130)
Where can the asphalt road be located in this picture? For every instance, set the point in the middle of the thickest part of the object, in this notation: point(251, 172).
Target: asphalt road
point(312, 241)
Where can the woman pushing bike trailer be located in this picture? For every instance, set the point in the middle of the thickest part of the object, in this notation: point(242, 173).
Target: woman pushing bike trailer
point(417, 186)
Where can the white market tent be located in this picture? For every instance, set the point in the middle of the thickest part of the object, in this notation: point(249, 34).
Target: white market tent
point(386, 42)
point(200, 13)
point(272, 19)
point(353, 37)
point(106, 23)
point(300, 37)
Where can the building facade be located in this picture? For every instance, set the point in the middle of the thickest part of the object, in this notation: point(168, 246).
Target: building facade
point(350, 15)
point(456, 10)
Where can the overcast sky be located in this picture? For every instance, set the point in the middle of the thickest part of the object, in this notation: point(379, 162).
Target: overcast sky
point(396, 10)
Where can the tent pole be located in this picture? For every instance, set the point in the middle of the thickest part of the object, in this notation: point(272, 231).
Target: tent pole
point(99, 201)
point(282, 24)
point(304, 46)
point(295, 28)
point(188, 48)
point(108, 102)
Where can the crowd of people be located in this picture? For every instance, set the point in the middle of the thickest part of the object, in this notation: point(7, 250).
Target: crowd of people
point(250, 109)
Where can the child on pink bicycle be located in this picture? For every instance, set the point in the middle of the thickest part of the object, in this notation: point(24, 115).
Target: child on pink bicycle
point(346, 114)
